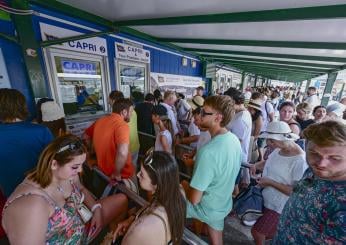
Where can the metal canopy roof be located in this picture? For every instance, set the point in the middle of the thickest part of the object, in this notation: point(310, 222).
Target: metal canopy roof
point(278, 39)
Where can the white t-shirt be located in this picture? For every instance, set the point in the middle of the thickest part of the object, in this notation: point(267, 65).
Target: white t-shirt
point(284, 170)
point(313, 100)
point(266, 109)
point(241, 125)
point(182, 109)
point(203, 139)
point(193, 130)
point(171, 115)
point(158, 145)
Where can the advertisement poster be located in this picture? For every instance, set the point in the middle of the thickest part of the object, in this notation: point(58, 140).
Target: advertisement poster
point(181, 84)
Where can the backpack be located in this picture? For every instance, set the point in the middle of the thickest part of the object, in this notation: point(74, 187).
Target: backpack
point(248, 205)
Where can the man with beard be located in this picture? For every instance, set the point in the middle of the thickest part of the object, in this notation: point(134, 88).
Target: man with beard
point(316, 210)
point(209, 194)
point(111, 140)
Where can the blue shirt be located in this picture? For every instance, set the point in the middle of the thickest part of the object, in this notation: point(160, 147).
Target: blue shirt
point(21, 144)
point(315, 213)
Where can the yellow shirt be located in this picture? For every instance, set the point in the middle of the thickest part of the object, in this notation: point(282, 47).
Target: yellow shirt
point(134, 141)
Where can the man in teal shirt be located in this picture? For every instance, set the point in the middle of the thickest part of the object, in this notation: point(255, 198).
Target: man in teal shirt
point(209, 195)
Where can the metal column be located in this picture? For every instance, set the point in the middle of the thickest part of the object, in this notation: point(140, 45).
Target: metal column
point(30, 47)
point(329, 86)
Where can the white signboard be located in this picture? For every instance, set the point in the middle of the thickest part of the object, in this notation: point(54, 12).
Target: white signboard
point(94, 45)
point(4, 80)
point(128, 52)
point(181, 84)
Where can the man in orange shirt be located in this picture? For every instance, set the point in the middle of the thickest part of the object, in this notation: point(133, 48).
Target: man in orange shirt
point(111, 139)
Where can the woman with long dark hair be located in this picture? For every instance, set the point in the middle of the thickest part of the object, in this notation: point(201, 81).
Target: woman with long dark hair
point(163, 220)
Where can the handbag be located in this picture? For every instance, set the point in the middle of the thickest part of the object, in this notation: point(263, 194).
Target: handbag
point(248, 205)
point(83, 211)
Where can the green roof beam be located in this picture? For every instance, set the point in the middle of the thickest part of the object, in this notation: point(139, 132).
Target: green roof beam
point(306, 13)
point(72, 11)
point(260, 43)
point(275, 66)
point(275, 62)
point(270, 55)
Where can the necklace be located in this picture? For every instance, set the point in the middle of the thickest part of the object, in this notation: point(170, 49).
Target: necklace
point(60, 189)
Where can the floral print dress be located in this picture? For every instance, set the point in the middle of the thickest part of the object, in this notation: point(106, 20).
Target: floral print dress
point(65, 226)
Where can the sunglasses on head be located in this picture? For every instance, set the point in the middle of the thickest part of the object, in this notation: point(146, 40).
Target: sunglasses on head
point(71, 146)
point(204, 113)
point(148, 160)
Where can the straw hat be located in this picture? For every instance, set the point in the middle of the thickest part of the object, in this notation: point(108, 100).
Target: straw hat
point(279, 130)
point(196, 101)
point(256, 104)
point(51, 111)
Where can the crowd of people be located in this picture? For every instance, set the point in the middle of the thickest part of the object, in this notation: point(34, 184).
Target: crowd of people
point(292, 151)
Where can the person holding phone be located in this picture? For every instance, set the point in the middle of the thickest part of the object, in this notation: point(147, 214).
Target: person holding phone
point(284, 167)
point(49, 206)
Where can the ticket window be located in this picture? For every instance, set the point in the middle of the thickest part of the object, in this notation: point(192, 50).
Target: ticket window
point(132, 78)
point(79, 84)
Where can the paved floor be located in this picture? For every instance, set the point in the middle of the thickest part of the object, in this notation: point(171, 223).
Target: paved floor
point(237, 234)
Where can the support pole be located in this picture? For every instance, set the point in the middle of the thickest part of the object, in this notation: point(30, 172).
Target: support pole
point(30, 48)
point(328, 89)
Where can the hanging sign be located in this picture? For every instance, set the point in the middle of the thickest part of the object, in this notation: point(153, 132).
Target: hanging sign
point(94, 45)
point(128, 52)
point(180, 84)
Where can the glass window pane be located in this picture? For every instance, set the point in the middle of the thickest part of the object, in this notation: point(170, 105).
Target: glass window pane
point(80, 85)
point(132, 79)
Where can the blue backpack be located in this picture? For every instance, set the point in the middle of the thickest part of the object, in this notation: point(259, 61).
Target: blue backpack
point(248, 205)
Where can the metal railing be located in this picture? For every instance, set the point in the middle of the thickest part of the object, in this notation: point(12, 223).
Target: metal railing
point(188, 236)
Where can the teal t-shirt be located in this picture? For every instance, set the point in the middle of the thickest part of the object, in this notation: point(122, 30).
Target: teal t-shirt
point(215, 172)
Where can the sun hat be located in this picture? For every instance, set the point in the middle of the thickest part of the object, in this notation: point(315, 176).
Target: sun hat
point(337, 108)
point(51, 111)
point(279, 130)
point(256, 104)
point(196, 101)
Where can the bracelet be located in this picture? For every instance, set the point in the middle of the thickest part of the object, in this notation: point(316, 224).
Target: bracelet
point(96, 206)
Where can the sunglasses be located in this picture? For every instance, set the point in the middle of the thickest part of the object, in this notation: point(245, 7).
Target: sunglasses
point(148, 160)
point(204, 113)
point(71, 146)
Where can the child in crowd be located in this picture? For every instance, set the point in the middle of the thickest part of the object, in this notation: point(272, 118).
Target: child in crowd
point(164, 137)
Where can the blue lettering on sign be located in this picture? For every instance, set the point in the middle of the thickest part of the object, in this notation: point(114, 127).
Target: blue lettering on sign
point(82, 45)
point(75, 67)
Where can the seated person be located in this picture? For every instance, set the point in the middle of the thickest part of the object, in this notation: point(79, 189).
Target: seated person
point(163, 220)
point(44, 208)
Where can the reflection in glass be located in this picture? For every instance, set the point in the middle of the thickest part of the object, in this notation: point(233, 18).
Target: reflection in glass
point(132, 79)
point(80, 85)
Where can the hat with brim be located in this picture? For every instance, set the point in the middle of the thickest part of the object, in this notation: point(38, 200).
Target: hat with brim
point(279, 130)
point(254, 104)
point(196, 101)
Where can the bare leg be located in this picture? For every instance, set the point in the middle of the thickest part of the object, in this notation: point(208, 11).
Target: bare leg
point(114, 208)
point(258, 237)
point(215, 236)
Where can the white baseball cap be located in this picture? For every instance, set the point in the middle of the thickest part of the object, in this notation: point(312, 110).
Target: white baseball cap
point(51, 111)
